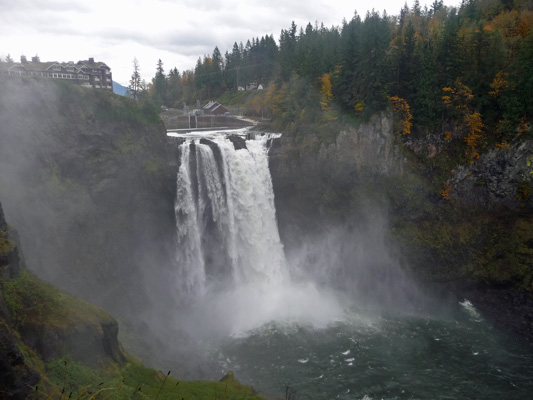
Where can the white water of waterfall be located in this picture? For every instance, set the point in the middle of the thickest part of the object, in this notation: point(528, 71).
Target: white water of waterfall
point(229, 252)
point(235, 197)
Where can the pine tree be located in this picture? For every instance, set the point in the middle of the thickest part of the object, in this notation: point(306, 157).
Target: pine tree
point(160, 84)
point(174, 89)
point(135, 81)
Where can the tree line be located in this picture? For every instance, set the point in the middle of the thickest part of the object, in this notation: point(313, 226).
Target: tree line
point(470, 67)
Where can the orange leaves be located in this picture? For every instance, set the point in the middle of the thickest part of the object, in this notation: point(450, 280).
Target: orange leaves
point(523, 127)
point(512, 23)
point(459, 97)
point(446, 190)
point(503, 145)
point(401, 107)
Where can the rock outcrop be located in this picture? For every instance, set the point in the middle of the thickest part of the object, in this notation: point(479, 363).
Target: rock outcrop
point(500, 178)
point(313, 178)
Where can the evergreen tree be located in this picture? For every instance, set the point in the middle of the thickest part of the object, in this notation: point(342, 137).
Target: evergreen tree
point(160, 84)
point(287, 47)
point(174, 90)
point(346, 75)
point(135, 81)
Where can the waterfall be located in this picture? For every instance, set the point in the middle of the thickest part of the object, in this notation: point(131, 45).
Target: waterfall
point(225, 214)
point(230, 261)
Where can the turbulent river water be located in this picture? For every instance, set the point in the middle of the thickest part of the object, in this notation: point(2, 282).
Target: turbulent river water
point(391, 357)
point(298, 338)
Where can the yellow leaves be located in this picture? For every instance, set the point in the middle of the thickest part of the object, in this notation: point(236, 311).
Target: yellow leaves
point(327, 97)
point(359, 107)
point(448, 136)
point(401, 107)
point(475, 127)
point(460, 95)
point(447, 98)
point(446, 191)
point(325, 89)
point(499, 83)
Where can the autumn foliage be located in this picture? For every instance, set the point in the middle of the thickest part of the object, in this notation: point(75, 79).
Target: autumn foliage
point(446, 190)
point(459, 99)
point(402, 109)
point(325, 89)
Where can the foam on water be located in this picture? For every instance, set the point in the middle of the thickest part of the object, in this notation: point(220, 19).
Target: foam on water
point(471, 310)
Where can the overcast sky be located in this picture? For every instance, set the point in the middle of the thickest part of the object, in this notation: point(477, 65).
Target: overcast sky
point(175, 31)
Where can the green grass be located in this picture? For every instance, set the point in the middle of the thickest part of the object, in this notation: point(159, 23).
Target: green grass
point(28, 300)
point(31, 301)
point(134, 381)
point(238, 99)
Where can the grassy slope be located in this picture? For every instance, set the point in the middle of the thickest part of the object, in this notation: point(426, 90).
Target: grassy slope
point(31, 301)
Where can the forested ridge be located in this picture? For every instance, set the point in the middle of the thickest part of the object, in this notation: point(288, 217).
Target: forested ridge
point(465, 70)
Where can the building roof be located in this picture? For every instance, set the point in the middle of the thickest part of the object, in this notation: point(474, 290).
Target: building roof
point(47, 65)
point(212, 106)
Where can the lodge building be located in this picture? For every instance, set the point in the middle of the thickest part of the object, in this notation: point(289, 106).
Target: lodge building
point(86, 73)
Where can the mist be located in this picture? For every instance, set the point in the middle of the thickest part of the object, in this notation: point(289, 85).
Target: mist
point(234, 276)
point(95, 223)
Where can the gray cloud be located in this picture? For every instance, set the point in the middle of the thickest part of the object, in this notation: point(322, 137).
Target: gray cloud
point(177, 31)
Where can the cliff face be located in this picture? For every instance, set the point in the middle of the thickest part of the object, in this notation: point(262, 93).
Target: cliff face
point(476, 244)
point(315, 182)
point(84, 177)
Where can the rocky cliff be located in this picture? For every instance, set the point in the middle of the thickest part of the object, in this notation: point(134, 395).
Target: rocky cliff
point(316, 181)
point(475, 242)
